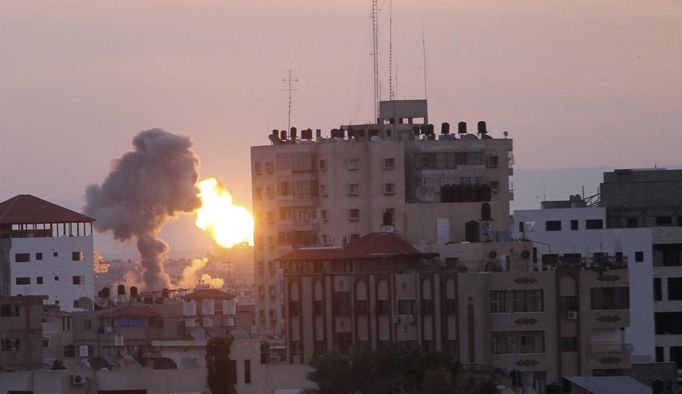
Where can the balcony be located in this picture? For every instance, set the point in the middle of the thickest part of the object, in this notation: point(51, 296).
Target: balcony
point(610, 355)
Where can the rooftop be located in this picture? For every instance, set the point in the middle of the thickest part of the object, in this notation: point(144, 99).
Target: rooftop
point(28, 209)
point(215, 294)
point(369, 247)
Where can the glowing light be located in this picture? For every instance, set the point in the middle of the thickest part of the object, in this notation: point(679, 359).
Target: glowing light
point(226, 223)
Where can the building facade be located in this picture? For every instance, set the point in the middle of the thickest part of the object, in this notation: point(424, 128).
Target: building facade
point(397, 175)
point(380, 291)
point(47, 250)
point(21, 332)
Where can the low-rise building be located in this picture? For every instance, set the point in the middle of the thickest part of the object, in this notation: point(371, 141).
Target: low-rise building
point(21, 333)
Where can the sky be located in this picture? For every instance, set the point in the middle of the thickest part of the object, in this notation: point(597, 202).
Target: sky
point(576, 83)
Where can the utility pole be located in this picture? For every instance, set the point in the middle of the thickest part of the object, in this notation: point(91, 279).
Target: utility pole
point(290, 80)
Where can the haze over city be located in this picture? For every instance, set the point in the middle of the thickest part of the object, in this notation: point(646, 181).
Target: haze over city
point(581, 84)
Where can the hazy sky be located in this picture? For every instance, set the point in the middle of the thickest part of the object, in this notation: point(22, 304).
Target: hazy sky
point(576, 83)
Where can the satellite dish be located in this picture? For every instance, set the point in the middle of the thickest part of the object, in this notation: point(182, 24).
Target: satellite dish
point(425, 194)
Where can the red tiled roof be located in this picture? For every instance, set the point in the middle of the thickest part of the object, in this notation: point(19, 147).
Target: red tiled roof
point(28, 209)
point(200, 294)
point(129, 311)
point(370, 246)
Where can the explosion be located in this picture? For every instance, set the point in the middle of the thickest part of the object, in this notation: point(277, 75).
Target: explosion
point(227, 224)
point(191, 276)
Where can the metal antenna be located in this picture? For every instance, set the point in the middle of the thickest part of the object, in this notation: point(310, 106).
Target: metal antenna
point(375, 56)
point(391, 92)
point(424, 50)
point(290, 80)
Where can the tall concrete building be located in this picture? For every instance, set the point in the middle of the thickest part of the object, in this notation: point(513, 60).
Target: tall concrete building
point(400, 175)
point(46, 250)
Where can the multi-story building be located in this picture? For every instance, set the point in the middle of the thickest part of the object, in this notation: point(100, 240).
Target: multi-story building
point(21, 332)
point(395, 175)
point(569, 230)
point(381, 291)
point(47, 250)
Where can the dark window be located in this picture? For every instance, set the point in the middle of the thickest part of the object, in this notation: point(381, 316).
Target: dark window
point(658, 292)
point(317, 308)
point(55, 254)
point(24, 280)
point(46, 342)
point(574, 224)
point(405, 307)
point(427, 307)
point(319, 347)
point(11, 344)
point(506, 301)
point(451, 306)
point(675, 289)
point(343, 341)
point(382, 307)
point(69, 351)
point(631, 222)
point(676, 355)
point(9, 310)
point(660, 356)
point(594, 224)
point(293, 308)
point(39, 256)
point(606, 298)
point(485, 211)
point(569, 344)
point(77, 280)
point(521, 227)
point(22, 257)
point(553, 225)
point(247, 371)
point(667, 255)
point(361, 307)
point(56, 279)
point(39, 280)
point(668, 323)
point(233, 372)
point(664, 221)
point(341, 303)
point(639, 257)
point(518, 342)
point(568, 303)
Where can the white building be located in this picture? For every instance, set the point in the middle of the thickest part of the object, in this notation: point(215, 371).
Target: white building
point(47, 250)
point(574, 232)
point(397, 175)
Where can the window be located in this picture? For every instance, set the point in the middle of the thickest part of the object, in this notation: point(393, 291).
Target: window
point(341, 303)
point(668, 323)
point(639, 257)
point(233, 372)
point(553, 225)
point(354, 236)
point(568, 303)
point(247, 371)
point(569, 344)
point(269, 168)
point(269, 192)
point(606, 298)
point(427, 307)
point(382, 307)
point(664, 221)
point(658, 292)
point(270, 215)
point(518, 342)
point(257, 168)
point(352, 164)
point(389, 163)
point(87, 324)
point(39, 256)
point(389, 189)
point(77, 256)
point(10, 344)
point(660, 357)
point(631, 222)
point(594, 224)
point(56, 279)
point(353, 214)
point(78, 280)
point(323, 190)
point(24, 280)
point(323, 165)
point(507, 301)
point(574, 225)
point(258, 193)
point(361, 307)
point(46, 342)
point(451, 306)
point(22, 257)
point(284, 189)
point(55, 254)
point(675, 289)
point(495, 186)
point(492, 161)
point(9, 310)
point(405, 307)
point(39, 280)
point(353, 189)
point(323, 214)
point(75, 304)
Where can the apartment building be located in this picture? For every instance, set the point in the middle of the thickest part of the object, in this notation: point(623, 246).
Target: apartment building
point(396, 175)
point(568, 230)
point(381, 291)
point(21, 333)
point(47, 250)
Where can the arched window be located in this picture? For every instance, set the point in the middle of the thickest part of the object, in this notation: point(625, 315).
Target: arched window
point(471, 231)
point(485, 211)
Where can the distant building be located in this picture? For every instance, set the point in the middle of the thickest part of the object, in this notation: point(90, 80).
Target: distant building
point(380, 291)
point(21, 333)
point(47, 250)
point(431, 187)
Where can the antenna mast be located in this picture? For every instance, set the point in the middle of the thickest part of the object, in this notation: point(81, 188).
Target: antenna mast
point(290, 80)
point(375, 56)
point(424, 50)
point(391, 91)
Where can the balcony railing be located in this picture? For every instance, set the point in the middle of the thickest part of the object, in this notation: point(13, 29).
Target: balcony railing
point(610, 347)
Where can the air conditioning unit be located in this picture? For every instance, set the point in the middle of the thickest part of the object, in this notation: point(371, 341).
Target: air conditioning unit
point(572, 315)
point(77, 379)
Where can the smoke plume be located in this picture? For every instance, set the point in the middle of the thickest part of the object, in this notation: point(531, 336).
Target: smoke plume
point(147, 186)
point(192, 275)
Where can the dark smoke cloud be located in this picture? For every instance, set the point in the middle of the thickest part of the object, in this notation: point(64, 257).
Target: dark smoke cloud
point(146, 187)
